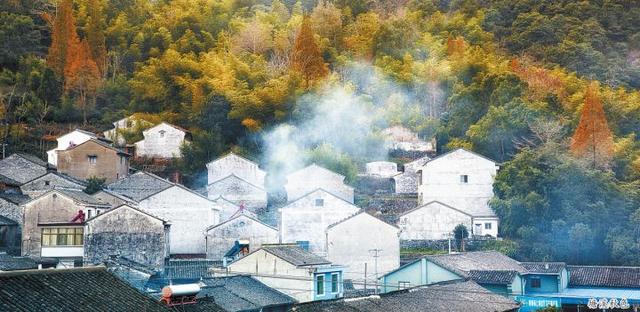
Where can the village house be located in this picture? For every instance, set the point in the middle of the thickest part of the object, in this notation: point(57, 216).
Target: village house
point(463, 180)
point(93, 158)
point(244, 293)
point(305, 220)
point(112, 198)
point(68, 140)
point(189, 213)
point(291, 270)
point(51, 180)
point(11, 222)
point(381, 169)
point(9, 186)
point(363, 244)
point(54, 224)
point(436, 220)
point(399, 138)
point(127, 124)
point(454, 296)
point(243, 227)
point(238, 180)
point(126, 232)
point(229, 209)
point(162, 141)
point(23, 168)
point(407, 181)
point(308, 179)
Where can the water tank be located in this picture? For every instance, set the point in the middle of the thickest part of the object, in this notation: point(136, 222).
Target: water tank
point(180, 290)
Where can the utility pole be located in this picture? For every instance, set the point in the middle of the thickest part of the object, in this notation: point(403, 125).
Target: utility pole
point(365, 277)
point(448, 236)
point(376, 254)
point(3, 149)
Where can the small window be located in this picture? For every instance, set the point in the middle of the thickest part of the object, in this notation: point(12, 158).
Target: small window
point(320, 285)
point(535, 282)
point(88, 214)
point(303, 245)
point(319, 202)
point(47, 183)
point(403, 284)
point(92, 159)
point(334, 283)
point(162, 133)
point(464, 178)
point(487, 226)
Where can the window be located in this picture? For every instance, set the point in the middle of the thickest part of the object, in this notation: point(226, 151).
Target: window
point(403, 284)
point(487, 226)
point(535, 282)
point(334, 283)
point(464, 178)
point(303, 245)
point(47, 183)
point(92, 159)
point(89, 214)
point(319, 202)
point(320, 285)
point(62, 237)
point(162, 133)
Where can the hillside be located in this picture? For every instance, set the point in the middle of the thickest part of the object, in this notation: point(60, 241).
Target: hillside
point(297, 82)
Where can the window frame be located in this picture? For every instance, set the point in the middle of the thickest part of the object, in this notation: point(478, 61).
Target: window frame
point(488, 226)
point(464, 178)
point(320, 285)
point(537, 284)
point(61, 236)
point(335, 283)
point(319, 202)
point(92, 159)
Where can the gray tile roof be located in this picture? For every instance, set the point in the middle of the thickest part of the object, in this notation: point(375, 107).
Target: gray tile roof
point(82, 197)
point(493, 277)
point(34, 159)
point(295, 255)
point(457, 296)
point(81, 289)
point(17, 199)
point(9, 263)
point(6, 221)
point(544, 267)
point(139, 185)
point(8, 181)
point(242, 293)
point(189, 268)
point(465, 262)
point(604, 276)
point(22, 168)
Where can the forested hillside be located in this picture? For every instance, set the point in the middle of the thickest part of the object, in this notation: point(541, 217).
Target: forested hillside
point(547, 88)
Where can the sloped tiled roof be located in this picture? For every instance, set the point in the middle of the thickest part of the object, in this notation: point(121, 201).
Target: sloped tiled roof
point(22, 167)
point(457, 296)
point(9, 263)
point(295, 255)
point(139, 185)
point(243, 293)
point(34, 159)
point(8, 181)
point(79, 289)
point(6, 221)
point(544, 267)
point(492, 277)
point(465, 262)
point(189, 268)
point(604, 276)
point(82, 197)
point(17, 199)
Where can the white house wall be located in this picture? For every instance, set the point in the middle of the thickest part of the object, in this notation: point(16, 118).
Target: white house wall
point(239, 166)
point(351, 244)
point(189, 215)
point(162, 146)
point(302, 220)
point(313, 177)
point(433, 221)
point(239, 192)
point(222, 237)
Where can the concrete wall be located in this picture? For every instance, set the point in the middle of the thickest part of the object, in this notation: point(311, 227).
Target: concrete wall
point(421, 272)
point(313, 177)
point(432, 221)
point(65, 141)
point(481, 227)
point(49, 208)
point(239, 166)
point(222, 237)
point(189, 215)
point(109, 164)
point(48, 182)
point(239, 192)
point(384, 169)
point(441, 181)
point(548, 284)
point(350, 243)
point(162, 141)
point(302, 220)
point(128, 233)
point(263, 266)
point(228, 209)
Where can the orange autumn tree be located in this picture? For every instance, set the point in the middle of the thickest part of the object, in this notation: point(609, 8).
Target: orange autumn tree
point(593, 139)
point(306, 56)
point(82, 76)
point(63, 35)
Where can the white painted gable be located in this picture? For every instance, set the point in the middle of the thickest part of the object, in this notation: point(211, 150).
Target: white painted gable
point(237, 165)
point(314, 177)
point(163, 141)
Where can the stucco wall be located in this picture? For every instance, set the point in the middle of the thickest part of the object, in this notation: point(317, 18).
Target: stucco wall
point(128, 233)
point(302, 220)
point(239, 192)
point(263, 265)
point(239, 166)
point(384, 169)
point(313, 177)
point(64, 142)
point(222, 237)
point(109, 163)
point(189, 215)
point(155, 144)
point(351, 242)
point(433, 221)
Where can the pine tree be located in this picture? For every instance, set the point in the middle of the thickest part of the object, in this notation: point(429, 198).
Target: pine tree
point(63, 35)
point(306, 57)
point(95, 34)
point(82, 76)
point(593, 138)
